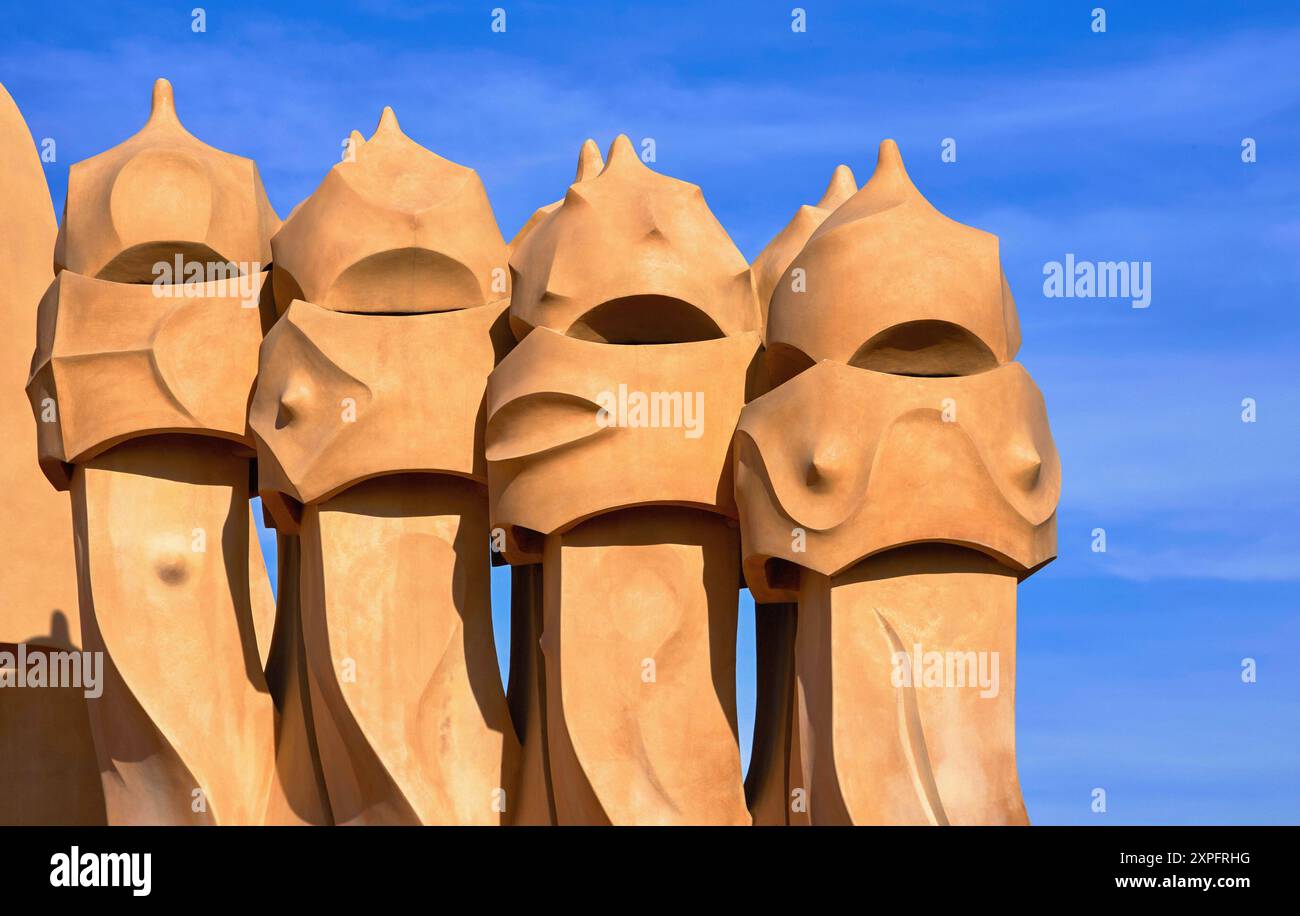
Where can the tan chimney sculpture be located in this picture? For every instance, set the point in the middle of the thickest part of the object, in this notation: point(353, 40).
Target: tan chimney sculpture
point(897, 481)
point(608, 445)
point(392, 282)
point(614, 403)
point(146, 355)
point(47, 758)
point(772, 769)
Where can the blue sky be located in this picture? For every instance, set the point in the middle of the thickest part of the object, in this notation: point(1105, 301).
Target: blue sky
point(1123, 145)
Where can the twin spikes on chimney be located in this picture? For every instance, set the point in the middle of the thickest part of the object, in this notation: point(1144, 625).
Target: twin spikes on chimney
point(614, 403)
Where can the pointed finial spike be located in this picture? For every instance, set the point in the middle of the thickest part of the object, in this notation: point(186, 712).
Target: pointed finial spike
point(842, 186)
point(355, 142)
point(387, 123)
point(889, 159)
point(621, 150)
point(891, 178)
point(163, 107)
point(589, 162)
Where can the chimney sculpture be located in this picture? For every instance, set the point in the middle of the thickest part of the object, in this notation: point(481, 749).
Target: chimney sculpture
point(391, 279)
point(608, 444)
point(773, 260)
point(773, 761)
point(47, 760)
point(146, 354)
point(526, 692)
point(898, 481)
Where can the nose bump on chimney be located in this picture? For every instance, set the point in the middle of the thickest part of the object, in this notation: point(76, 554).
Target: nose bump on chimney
point(292, 402)
point(1027, 466)
point(822, 466)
